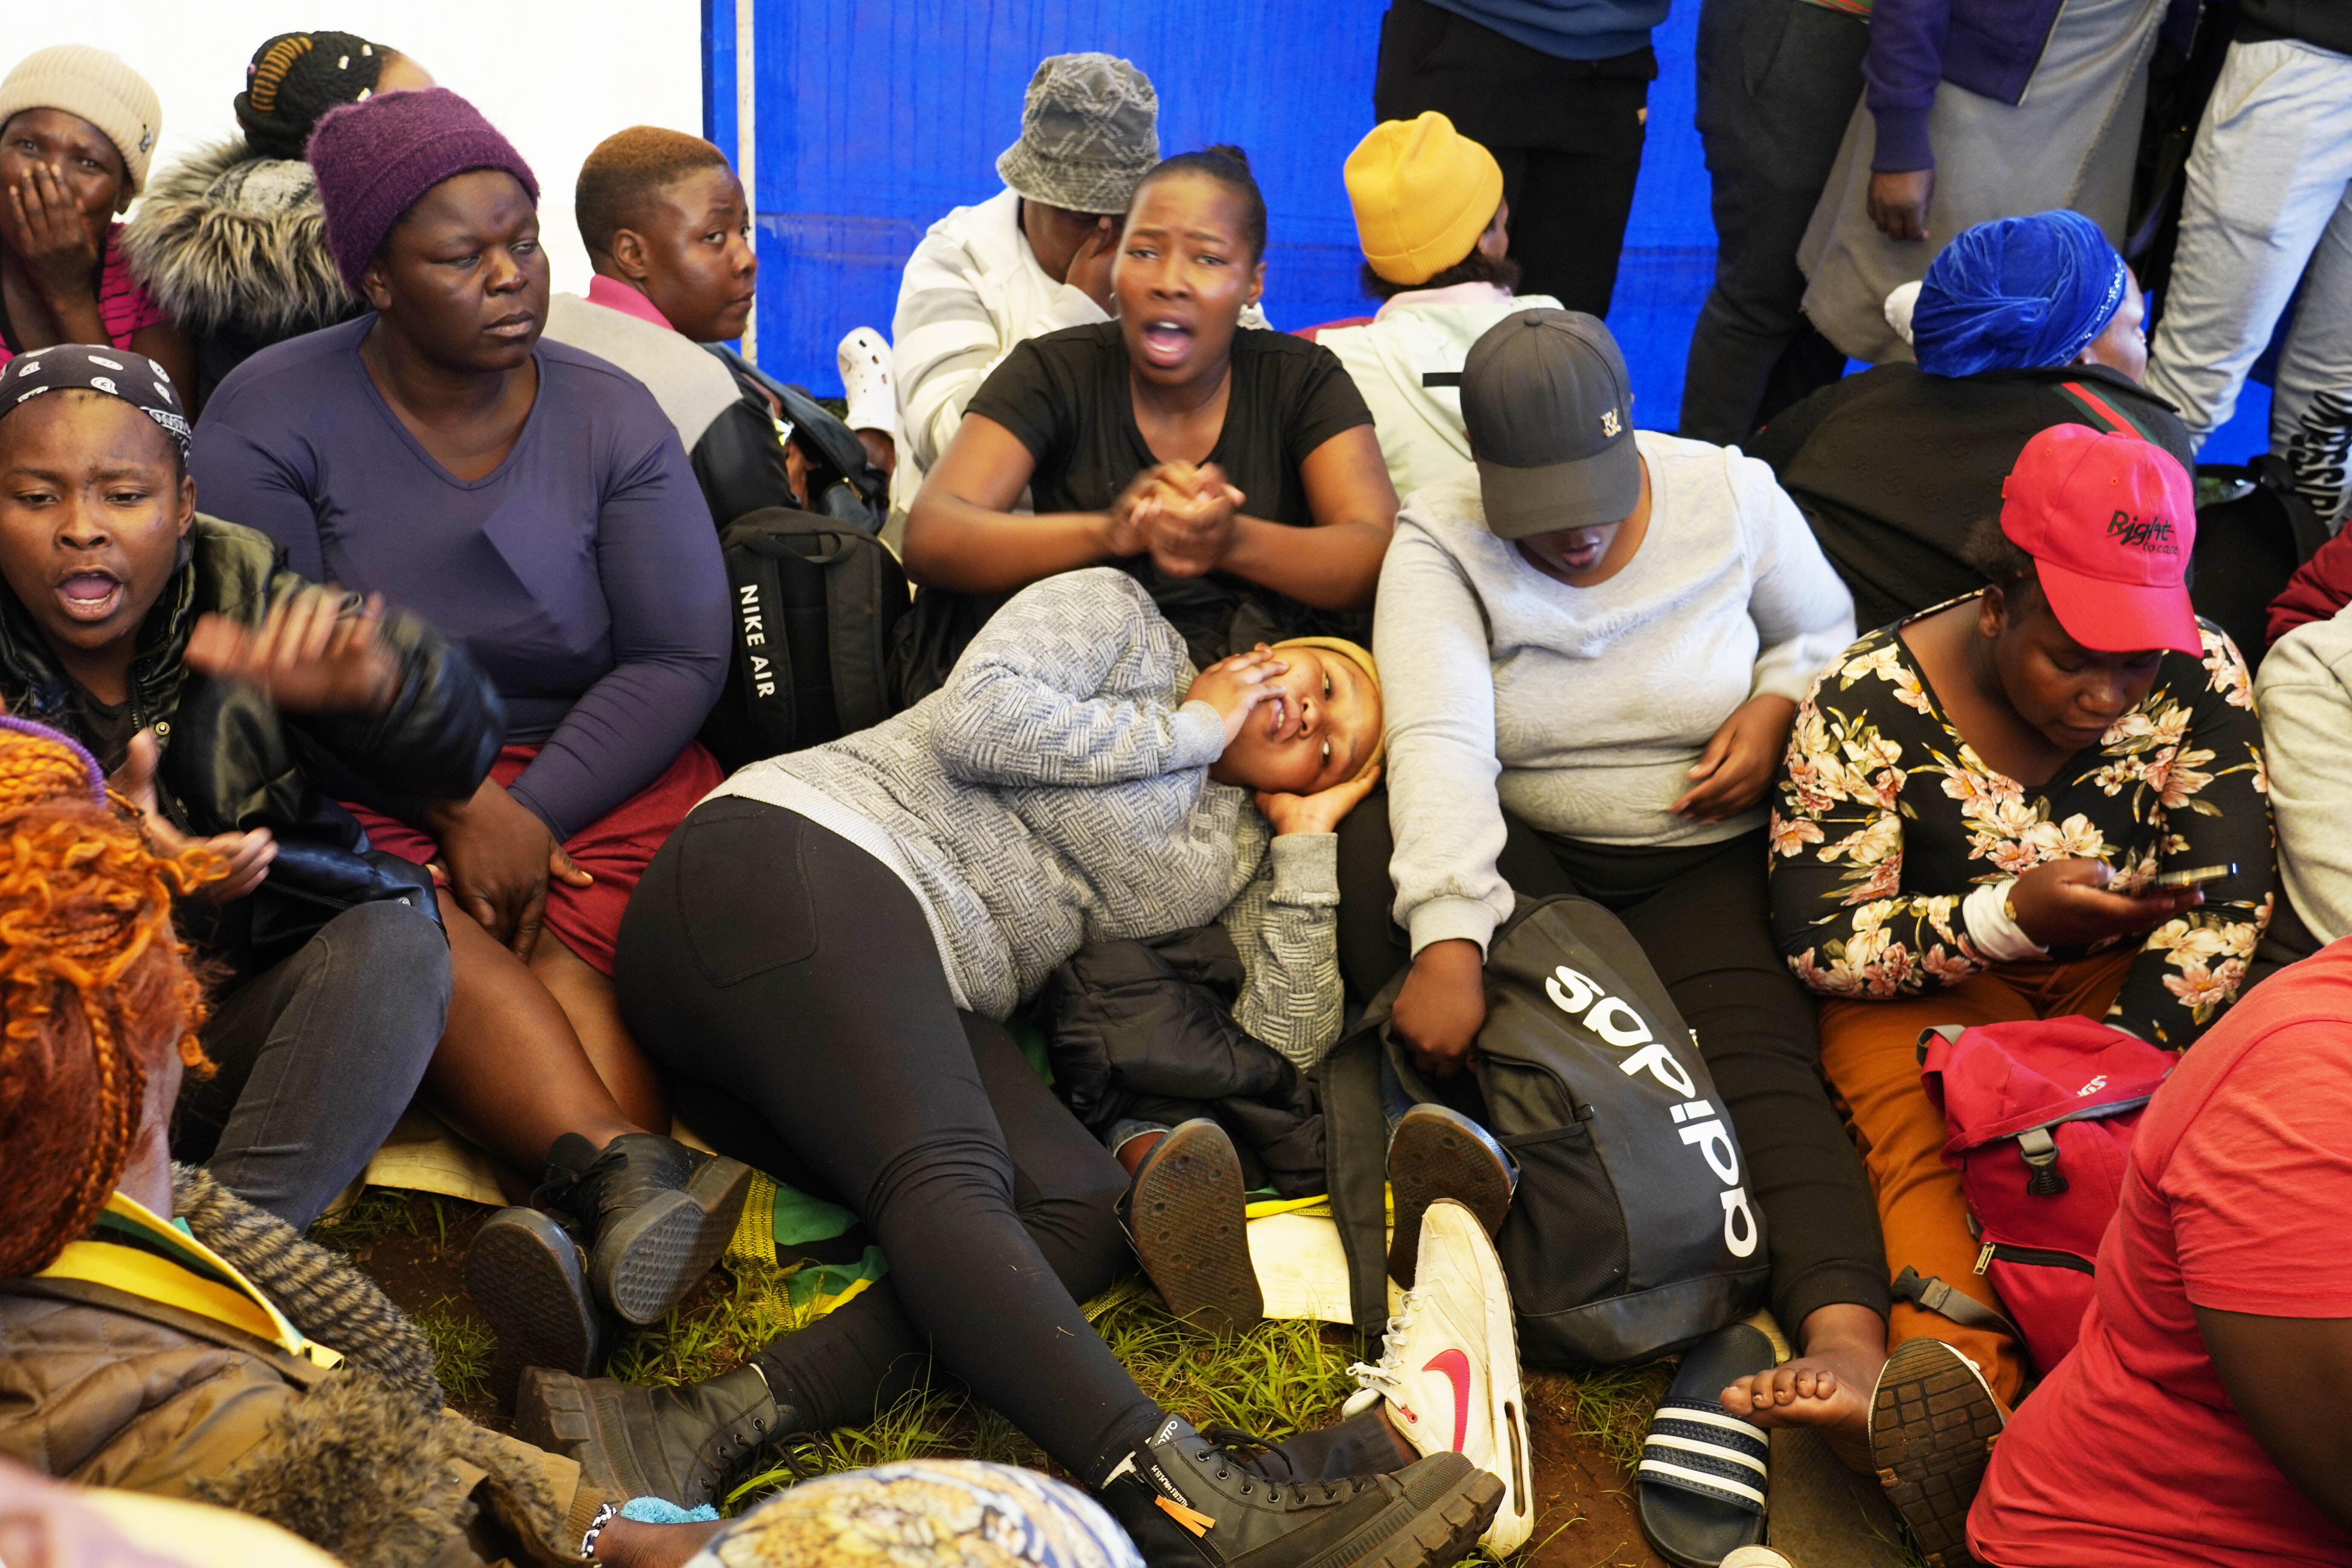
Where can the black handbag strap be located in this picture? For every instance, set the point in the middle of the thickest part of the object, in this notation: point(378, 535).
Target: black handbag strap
point(1931, 1294)
point(1355, 1155)
point(857, 637)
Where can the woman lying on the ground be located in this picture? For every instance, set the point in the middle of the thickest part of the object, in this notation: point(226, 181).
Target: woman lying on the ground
point(1598, 638)
point(260, 691)
point(77, 127)
point(158, 1334)
point(534, 502)
point(1232, 470)
point(1975, 808)
point(231, 241)
point(828, 941)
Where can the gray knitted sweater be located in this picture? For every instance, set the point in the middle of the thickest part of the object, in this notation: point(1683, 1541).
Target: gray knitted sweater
point(1056, 791)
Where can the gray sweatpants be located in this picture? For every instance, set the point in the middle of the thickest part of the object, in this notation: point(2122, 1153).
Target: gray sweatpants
point(2269, 205)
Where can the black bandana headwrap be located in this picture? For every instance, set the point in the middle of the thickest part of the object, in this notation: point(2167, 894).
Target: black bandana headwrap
point(134, 378)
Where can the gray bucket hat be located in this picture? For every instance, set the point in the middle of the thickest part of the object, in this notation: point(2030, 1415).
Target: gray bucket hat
point(1089, 132)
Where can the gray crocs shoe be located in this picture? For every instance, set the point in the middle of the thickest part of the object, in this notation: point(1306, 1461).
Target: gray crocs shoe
point(1933, 1420)
point(1438, 1153)
point(1185, 1214)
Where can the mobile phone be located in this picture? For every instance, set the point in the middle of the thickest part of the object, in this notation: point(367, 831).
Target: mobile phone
point(2195, 877)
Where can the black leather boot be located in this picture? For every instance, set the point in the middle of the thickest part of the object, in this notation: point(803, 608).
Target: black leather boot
point(1189, 1502)
point(657, 1214)
point(683, 1445)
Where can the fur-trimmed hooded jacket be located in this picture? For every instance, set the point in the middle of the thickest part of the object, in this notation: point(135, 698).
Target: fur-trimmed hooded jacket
point(234, 248)
point(105, 1388)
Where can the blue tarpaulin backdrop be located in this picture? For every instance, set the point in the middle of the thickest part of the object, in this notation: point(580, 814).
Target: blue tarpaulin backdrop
point(874, 117)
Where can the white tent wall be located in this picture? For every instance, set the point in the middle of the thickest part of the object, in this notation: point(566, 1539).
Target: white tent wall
point(557, 79)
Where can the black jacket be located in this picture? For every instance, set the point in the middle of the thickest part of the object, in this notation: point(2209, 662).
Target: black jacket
point(1145, 1031)
point(742, 464)
point(1894, 467)
point(232, 762)
point(2326, 23)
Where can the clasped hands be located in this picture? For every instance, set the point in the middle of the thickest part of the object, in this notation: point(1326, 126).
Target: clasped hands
point(1183, 515)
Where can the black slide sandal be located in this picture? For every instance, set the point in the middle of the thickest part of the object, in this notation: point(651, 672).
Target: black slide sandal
point(1703, 1477)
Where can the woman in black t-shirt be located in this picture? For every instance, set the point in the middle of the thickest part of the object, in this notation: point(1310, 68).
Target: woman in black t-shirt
point(1233, 471)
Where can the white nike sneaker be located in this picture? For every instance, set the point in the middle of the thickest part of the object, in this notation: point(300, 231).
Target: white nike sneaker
point(1450, 1371)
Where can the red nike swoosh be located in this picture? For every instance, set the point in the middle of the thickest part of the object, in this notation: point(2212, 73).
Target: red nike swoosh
point(1456, 1367)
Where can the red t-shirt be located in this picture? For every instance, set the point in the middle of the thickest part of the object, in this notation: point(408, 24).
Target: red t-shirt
point(2130, 1455)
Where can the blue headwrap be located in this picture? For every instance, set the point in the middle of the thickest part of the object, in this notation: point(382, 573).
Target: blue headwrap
point(2018, 293)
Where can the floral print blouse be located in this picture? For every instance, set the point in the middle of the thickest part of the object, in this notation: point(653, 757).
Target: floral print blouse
point(1886, 819)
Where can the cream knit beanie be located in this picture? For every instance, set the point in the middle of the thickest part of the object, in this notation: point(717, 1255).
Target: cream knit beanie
point(97, 86)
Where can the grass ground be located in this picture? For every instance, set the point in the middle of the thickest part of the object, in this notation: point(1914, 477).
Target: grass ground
point(1275, 1379)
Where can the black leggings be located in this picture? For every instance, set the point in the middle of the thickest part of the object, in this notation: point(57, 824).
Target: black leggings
point(776, 961)
point(864, 1354)
point(1703, 918)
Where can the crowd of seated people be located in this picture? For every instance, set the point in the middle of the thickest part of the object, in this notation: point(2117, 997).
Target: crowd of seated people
point(361, 602)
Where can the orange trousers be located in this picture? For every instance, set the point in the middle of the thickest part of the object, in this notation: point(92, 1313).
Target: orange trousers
point(1870, 1052)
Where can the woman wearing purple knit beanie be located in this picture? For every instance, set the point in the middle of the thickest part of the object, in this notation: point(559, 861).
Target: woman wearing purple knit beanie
point(533, 502)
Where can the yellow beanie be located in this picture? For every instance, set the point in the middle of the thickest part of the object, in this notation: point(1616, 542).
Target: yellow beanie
point(1424, 193)
point(97, 86)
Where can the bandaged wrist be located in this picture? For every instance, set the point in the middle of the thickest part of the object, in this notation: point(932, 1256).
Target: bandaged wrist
point(1992, 924)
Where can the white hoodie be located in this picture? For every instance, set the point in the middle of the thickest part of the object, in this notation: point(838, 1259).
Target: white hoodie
point(1427, 331)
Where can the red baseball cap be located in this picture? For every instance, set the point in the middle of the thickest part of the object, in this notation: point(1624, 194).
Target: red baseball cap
point(2109, 520)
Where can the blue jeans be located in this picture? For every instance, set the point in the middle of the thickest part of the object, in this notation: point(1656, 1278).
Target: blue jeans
point(319, 1056)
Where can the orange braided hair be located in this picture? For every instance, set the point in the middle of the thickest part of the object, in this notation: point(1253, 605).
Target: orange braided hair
point(93, 986)
point(275, 63)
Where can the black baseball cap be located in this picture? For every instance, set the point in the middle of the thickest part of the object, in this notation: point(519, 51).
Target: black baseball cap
point(1550, 411)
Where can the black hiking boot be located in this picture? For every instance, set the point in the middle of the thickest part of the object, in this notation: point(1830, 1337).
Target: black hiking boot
point(1188, 1502)
point(1185, 1212)
point(528, 1275)
point(683, 1445)
point(658, 1215)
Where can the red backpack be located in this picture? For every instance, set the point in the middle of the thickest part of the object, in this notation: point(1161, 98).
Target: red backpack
point(2039, 1117)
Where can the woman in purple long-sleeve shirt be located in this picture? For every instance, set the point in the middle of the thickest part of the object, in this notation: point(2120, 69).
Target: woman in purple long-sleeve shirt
point(582, 571)
point(532, 501)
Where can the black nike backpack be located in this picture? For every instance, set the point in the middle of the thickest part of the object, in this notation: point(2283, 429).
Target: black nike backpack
point(814, 608)
point(1632, 1233)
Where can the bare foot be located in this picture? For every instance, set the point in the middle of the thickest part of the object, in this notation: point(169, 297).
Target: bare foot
point(1828, 1388)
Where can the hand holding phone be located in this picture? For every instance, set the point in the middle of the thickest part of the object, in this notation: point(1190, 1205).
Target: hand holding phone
point(2195, 877)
